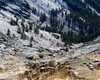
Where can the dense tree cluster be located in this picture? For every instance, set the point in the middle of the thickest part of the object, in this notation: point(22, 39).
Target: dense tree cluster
point(42, 17)
point(90, 27)
point(83, 24)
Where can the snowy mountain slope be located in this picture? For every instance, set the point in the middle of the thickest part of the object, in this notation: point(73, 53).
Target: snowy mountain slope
point(30, 9)
point(20, 12)
point(44, 41)
point(4, 25)
point(40, 5)
point(13, 9)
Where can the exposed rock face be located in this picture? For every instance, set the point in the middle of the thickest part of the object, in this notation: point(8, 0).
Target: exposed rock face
point(85, 68)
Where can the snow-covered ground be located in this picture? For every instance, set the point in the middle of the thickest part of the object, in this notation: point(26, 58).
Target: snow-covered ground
point(47, 41)
point(43, 40)
point(86, 48)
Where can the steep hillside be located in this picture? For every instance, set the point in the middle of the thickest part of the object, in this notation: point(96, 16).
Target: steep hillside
point(75, 18)
point(49, 40)
point(82, 63)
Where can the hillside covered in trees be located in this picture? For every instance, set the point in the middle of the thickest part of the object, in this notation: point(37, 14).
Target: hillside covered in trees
point(82, 17)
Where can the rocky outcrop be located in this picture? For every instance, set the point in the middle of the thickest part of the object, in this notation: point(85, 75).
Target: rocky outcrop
point(85, 68)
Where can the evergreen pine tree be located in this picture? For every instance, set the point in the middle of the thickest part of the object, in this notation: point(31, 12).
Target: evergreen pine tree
point(30, 26)
point(31, 39)
point(27, 29)
point(8, 32)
